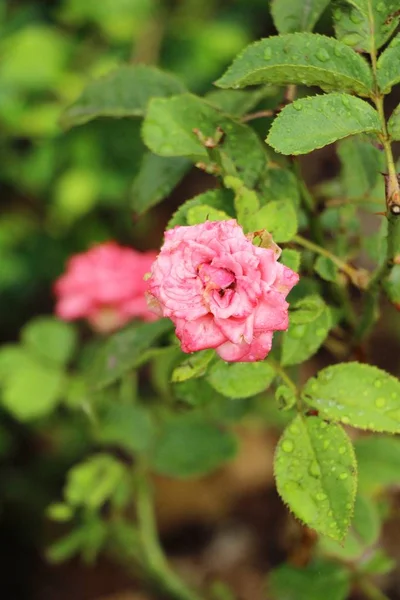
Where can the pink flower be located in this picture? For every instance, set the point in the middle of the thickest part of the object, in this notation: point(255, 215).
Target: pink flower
point(105, 285)
point(220, 290)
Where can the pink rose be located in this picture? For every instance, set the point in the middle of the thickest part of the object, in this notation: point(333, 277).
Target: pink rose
point(220, 290)
point(105, 285)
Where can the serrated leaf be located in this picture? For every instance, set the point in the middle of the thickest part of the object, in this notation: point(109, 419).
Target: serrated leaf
point(326, 268)
point(239, 102)
point(240, 380)
point(362, 164)
point(157, 177)
point(296, 16)
point(357, 394)
point(291, 258)
point(219, 200)
point(204, 212)
point(193, 367)
point(124, 92)
point(277, 183)
point(315, 470)
point(378, 459)
point(279, 218)
point(364, 532)
point(320, 579)
point(300, 342)
point(394, 124)
point(126, 426)
point(32, 391)
point(50, 339)
point(306, 310)
point(302, 58)
point(123, 351)
point(190, 447)
point(314, 122)
point(168, 131)
point(388, 66)
point(365, 25)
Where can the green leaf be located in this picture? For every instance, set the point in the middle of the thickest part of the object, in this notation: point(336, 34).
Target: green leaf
point(168, 131)
point(279, 218)
point(124, 92)
point(315, 471)
point(291, 258)
point(123, 351)
point(306, 310)
point(326, 268)
point(296, 16)
point(362, 164)
point(365, 24)
point(32, 391)
point(285, 397)
point(364, 532)
point(300, 342)
point(320, 579)
point(60, 512)
point(190, 447)
point(378, 460)
point(13, 357)
point(246, 201)
point(240, 380)
point(357, 394)
point(197, 392)
point(50, 339)
point(157, 177)
point(219, 200)
point(203, 213)
point(378, 563)
point(303, 58)
point(388, 72)
point(193, 367)
point(277, 183)
point(127, 426)
point(239, 102)
point(394, 123)
point(94, 481)
point(314, 122)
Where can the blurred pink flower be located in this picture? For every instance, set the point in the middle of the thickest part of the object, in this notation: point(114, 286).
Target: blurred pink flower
point(105, 285)
point(220, 290)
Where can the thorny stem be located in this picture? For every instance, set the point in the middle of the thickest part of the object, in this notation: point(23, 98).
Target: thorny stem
point(357, 276)
point(162, 575)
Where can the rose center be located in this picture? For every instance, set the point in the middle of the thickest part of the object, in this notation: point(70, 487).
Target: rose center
point(215, 278)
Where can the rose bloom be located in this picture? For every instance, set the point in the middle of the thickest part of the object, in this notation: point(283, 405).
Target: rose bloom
point(220, 290)
point(105, 285)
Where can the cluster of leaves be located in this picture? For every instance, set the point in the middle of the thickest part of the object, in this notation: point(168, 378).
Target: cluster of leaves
point(179, 423)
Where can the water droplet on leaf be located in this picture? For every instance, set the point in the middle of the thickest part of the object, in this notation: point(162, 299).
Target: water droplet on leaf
point(380, 402)
point(267, 54)
point(314, 469)
point(322, 55)
point(343, 476)
point(287, 446)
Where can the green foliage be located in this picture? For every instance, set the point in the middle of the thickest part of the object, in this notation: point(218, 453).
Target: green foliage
point(300, 16)
point(219, 200)
point(315, 470)
point(189, 446)
point(365, 25)
point(50, 340)
point(312, 123)
point(304, 58)
point(170, 127)
point(378, 460)
point(193, 367)
point(124, 92)
point(387, 72)
point(291, 258)
point(157, 177)
point(126, 426)
point(357, 394)
point(123, 351)
point(301, 341)
point(279, 218)
point(394, 123)
point(237, 103)
point(240, 380)
point(320, 579)
point(362, 165)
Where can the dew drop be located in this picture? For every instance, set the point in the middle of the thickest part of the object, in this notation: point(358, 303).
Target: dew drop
point(380, 402)
point(337, 14)
point(322, 55)
point(314, 469)
point(338, 51)
point(345, 420)
point(320, 332)
point(287, 446)
point(342, 449)
point(343, 476)
point(323, 425)
point(393, 395)
point(298, 105)
point(378, 383)
point(345, 101)
point(267, 54)
point(371, 425)
point(294, 429)
point(320, 496)
point(356, 18)
point(380, 7)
